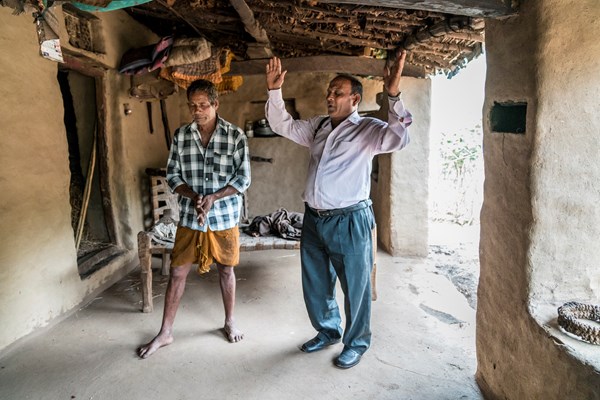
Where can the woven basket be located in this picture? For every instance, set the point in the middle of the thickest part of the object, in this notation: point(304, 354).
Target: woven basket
point(571, 318)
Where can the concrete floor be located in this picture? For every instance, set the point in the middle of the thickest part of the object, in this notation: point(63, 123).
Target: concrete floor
point(423, 342)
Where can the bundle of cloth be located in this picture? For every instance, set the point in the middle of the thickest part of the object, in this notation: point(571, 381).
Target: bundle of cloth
point(146, 59)
point(215, 63)
point(182, 61)
point(287, 224)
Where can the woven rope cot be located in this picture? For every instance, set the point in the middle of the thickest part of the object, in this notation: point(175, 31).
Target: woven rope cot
point(571, 318)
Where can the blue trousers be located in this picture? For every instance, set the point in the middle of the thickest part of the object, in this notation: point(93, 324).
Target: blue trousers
point(339, 247)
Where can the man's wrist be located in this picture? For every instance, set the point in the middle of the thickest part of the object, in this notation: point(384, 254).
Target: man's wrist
point(395, 97)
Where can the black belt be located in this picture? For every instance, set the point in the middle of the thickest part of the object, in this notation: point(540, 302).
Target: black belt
point(339, 211)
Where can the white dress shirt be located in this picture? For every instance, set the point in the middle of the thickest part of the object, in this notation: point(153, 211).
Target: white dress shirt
point(339, 170)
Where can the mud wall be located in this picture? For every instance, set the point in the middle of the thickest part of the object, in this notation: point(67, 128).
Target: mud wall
point(39, 280)
point(400, 196)
point(539, 222)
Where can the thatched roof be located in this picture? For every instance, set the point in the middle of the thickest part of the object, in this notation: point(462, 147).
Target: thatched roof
point(441, 36)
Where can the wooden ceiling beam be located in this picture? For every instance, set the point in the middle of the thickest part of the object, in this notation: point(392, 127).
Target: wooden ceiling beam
point(329, 64)
point(398, 26)
point(262, 47)
point(339, 38)
point(477, 37)
point(440, 30)
point(307, 44)
point(344, 13)
point(344, 8)
point(472, 8)
point(380, 23)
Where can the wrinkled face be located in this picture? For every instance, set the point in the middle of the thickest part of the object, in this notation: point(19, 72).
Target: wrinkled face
point(202, 111)
point(340, 101)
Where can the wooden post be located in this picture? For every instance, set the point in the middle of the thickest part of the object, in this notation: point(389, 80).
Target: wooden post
point(86, 193)
point(166, 263)
point(145, 256)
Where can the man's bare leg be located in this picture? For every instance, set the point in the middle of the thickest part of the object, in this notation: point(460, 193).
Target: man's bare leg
point(175, 290)
point(227, 282)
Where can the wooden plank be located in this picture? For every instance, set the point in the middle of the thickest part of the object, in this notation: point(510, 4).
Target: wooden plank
point(254, 28)
point(87, 190)
point(144, 245)
point(328, 64)
point(472, 8)
point(103, 158)
point(85, 66)
point(473, 26)
point(292, 245)
point(247, 246)
point(279, 243)
point(264, 243)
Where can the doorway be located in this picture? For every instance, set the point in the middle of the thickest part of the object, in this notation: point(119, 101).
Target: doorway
point(91, 216)
point(456, 176)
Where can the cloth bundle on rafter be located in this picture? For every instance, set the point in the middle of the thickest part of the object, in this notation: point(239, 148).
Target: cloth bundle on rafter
point(211, 68)
point(188, 51)
point(230, 84)
point(182, 61)
point(146, 59)
point(143, 65)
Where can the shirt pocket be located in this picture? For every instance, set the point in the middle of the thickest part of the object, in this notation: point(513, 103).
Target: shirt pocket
point(223, 165)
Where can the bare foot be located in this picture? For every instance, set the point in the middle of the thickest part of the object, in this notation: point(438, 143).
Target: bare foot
point(233, 334)
point(159, 341)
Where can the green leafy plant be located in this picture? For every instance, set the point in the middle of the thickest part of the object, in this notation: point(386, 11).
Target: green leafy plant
point(460, 176)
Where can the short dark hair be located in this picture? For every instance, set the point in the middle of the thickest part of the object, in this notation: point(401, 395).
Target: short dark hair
point(202, 85)
point(356, 85)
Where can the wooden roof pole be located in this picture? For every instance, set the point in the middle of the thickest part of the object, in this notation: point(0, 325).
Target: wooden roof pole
point(443, 28)
point(86, 192)
point(262, 49)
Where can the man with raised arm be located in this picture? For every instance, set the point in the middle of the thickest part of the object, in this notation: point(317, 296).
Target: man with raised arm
point(336, 234)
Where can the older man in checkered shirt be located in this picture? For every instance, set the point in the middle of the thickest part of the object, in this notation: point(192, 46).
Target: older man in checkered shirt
point(209, 166)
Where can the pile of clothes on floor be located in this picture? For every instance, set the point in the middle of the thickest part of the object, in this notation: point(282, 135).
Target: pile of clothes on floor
point(283, 223)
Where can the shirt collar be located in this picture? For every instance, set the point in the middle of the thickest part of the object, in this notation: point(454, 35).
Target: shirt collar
point(220, 127)
point(354, 117)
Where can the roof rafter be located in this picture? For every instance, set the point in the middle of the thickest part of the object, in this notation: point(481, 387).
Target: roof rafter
point(473, 8)
point(262, 49)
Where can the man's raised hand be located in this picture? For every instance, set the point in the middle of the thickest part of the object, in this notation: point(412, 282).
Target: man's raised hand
point(391, 75)
point(275, 77)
